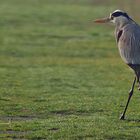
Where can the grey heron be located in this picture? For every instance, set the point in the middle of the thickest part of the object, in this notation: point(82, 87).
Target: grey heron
point(127, 34)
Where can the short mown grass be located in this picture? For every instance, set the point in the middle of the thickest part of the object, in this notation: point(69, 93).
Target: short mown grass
point(61, 76)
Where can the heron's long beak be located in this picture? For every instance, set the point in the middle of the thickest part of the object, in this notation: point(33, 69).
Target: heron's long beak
point(103, 20)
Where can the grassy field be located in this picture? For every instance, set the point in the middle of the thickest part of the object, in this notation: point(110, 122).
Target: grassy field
point(61, 76)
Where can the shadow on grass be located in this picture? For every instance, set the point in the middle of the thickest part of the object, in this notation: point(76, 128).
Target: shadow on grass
point(133, 120)
point(76, 112)
point(17, 118)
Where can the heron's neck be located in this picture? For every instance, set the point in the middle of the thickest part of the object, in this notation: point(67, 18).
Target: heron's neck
point(120, 25)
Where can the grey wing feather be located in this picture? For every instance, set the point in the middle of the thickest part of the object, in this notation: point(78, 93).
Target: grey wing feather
point(129, 44)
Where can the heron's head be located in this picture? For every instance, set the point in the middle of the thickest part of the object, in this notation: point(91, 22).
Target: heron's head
point(118, 17)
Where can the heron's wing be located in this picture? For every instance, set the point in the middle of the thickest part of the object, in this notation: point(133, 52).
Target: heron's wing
point(129, 44)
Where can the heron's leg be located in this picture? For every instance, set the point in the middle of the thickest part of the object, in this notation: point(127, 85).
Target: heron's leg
point(130, 95)
point(138, 80)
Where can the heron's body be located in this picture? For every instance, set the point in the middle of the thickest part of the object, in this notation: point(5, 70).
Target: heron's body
point(127, 34)
point(128, 40)
point(129, 43)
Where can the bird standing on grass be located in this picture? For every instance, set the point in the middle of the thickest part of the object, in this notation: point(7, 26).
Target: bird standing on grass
point(127, 34)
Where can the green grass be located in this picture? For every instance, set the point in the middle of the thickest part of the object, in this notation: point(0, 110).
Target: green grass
point(61, 76)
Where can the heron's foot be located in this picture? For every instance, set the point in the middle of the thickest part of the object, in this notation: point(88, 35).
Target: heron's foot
point(122, 117)
point(139, 87)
